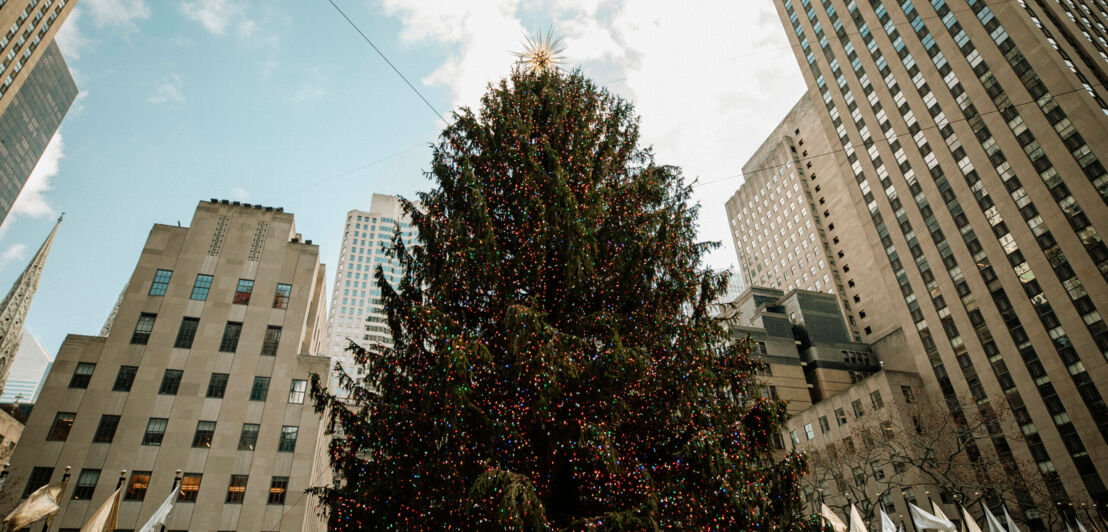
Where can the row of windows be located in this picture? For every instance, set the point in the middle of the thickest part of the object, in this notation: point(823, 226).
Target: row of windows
point(171, 381)
point(203, 285)
point(186, 334)
point(155, 432)
point(139, 484)
point(876, 400)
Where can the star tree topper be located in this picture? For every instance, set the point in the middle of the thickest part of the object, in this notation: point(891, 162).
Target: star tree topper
point(541, 54)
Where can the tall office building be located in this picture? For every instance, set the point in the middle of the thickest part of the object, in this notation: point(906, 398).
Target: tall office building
point(356, 310)
point(28, 372)
point(36, 88)
point(968, 137)
point(206, 371)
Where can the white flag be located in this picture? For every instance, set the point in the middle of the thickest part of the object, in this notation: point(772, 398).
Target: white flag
point(938, 511)
point(836, 524)
point(1080, 526)
point(924, 520)
point(971, 525)
point(992, 521)
point(887, 524)
point(104, 518)
point(162, 513)
point(856, 523)
point(1008, 521)
point(42, 503)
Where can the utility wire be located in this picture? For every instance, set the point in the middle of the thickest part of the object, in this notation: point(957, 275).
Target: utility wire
point(346, 173)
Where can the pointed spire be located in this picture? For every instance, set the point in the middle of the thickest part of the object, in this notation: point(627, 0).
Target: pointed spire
point(13, 310)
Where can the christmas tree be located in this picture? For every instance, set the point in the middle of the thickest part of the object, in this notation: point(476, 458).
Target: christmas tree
point(553, 365)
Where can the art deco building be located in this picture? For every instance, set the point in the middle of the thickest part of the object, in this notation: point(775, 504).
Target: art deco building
point(206, 371)
point(968, 137)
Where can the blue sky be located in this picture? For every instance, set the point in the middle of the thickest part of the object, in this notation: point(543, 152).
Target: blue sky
point(281, 103)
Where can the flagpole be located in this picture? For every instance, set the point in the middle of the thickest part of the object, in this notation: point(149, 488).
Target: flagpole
point(911, 520)
point(65, 478)
point(176, 482)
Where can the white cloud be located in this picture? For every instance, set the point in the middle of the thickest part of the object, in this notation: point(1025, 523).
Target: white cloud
point(168, 91)
point(32, 199)
point(309, 92)
point(118, 13)
point(221, 17)
point(14, 253)
point(239, 194)
point(70, 38)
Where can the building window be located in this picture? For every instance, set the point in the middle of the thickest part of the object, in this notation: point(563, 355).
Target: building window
point(824, 426)
point(272, 339)
point(143, 327)
point(857, 406)
point(242, 292)
point(125, 378)
point(82, 375)
point(809, 431)
point(281, 298)
point(277, 488)
point(230, 341)
point(40, 476)
point(248, 439)
point(59, 431)
point(161, 282)
point(840, 415)
point(190, 486)
point(187, 333)
point(217, 385)
point(794, 436)
point(136, 488)
point(155, 431)
point(236, 489)
point(288, 439)
point(909, 396)
point(105, 431)
point(201, 287)
point(205, 430)
point(171, 381)
point(875, 398)
point(297, 391)
point(260, 389)
point(86, 484)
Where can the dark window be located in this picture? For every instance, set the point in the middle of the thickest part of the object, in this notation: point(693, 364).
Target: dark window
point(857, 406)
point(143, 327)
point(125, 378)
point(59, 431)
point(136, 488)
point(272, 339)
point(297, 391)
point(171, 381)
point(236, 489)
point(86, 484)
point(824, 426)
point(242, 292)
point(909, 396)
point(40, 476)
point(281, 298)
point(875, 398)
point(260, 389)
point(277, 488)
point(82, 375)
point(105, 431)
point(230, 341)
point(155, 431)
point(201, 287)
point(248, 438)
point(190, 486)
point(161, 282)
point(205, 430)
point(288, 439)
point(217, 385)
point(840, 415)
point(187, 333)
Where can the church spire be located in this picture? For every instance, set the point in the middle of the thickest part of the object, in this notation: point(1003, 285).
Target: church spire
point(13, 310)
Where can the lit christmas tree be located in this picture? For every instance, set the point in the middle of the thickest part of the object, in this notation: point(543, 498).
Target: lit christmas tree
point(553, 363)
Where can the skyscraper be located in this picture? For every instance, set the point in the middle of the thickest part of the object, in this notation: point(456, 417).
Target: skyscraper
point(13, 310)
point(36, 88)
point(28, 372)
point(968, 137)
point(206, 371)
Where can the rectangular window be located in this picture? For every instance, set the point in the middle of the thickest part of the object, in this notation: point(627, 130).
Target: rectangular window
point(809, 432)
point(909, 396)
point(243, 291)
point(248, 438)
point(277, 488)
point(217, 385)
point(59, 431)
point(190, 486)
point(40, 476)
point(136, 488)
point(201, 287)
point(205, 430)
point(875, 398)
point(82, 375)
point(840, 415)
point(161, 282)
point(86, 484)
point(230, 341)
point(125, 378)
point(260, 389)
point(105, 431)
point(857, 406)
point(187, 333)
point(272, 339)
point(236, 489)
point(171, 381)
point(297, 391)
point(143, 327)
point(281, 297)
point(288, 439)
point(824, 426)
point(155, 431)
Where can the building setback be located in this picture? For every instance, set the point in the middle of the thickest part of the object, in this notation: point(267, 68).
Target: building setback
point(968, 139)
point(206, 371)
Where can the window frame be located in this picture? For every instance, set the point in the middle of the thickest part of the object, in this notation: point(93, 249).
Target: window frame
point(171, 381)
point(248, 439)
point(271, 341)
point(79, 379)
point(243, 290)
point(116, 386)
point(102, 429)
point(186, 336)
point(39, 477)
point(232, 333)
point(281, 300)
point(296, 397)
point(278, 489)
point(285, 442)
point(60, 428)
point(264, 391)
point(144, 327)
point(154, 438)
point(217, 385)
point(159, 286)
point(190, 495)
point(137, 493)
point(204, 434)
point(201, 289)
point(236, 496)
point(84, 492)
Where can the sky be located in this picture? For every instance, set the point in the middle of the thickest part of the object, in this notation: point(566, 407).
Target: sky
point(282, 103)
